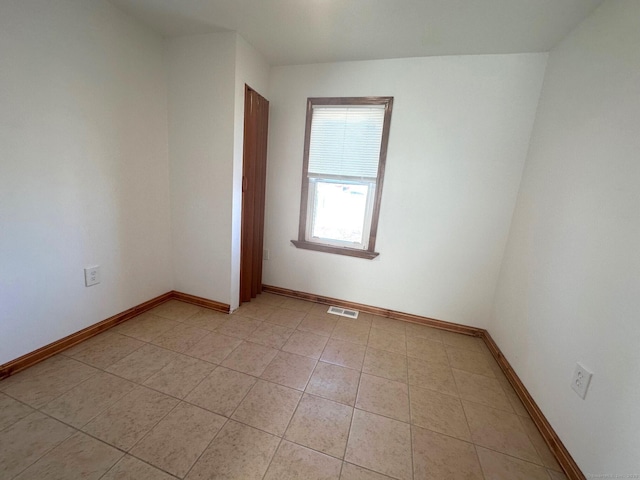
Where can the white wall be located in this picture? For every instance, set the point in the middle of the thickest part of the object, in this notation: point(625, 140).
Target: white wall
point(252, 70)
point(569, 289)
point(83, 168)
point(207, 74)
point(459, 136)
point(201, 147)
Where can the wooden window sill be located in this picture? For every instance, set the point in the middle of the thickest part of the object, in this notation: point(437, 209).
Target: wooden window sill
point(351, 252)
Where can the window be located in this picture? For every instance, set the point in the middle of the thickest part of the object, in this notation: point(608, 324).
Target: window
point(344, 158)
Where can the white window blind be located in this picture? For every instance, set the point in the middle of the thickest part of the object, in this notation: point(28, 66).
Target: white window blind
point(345, 141)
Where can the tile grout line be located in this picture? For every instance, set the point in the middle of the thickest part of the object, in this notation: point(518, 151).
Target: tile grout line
point(406, 346)
point(181, 400)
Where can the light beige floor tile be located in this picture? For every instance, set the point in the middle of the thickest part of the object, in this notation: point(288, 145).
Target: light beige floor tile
point(415, 330)
point(548, 459)
point(345, 354)
point(237, 452)
point(469, 361)
point(46, 367)
point(180, 376)
point(130, 468)
point(556, 475)
point(286, 317)
point(502, 467)
point(11, 411)
point(481, 389)
point(320, 325)
point(222, 391)
point(515, 402)
point(500, 431)
point(268, 407)
point(207, 319)
point(255, 310)
point(389, 324)
point(141, 364)
point(129, 419)
point(380, 444)
point(175, 310)
point(321, 424)
point(271, 335)
point(69, 352)
point(385, 364)
point(214, 348)
point(306, 344)
point(354, 472)
point(179, 439)
point(321, 310)
point(428, 350)
point(270, 299)
point(386, 340)
point(365, 318)
point(290, 370)
point(298, 305)
point(181, 338)
point(250, 358)
point(353, 331)
point(433, 376)
point(437, 457)
point(293, 462)
point(239, 327)
point(462, 341)
point(109, 350)
point(27, 440)
point(83, 402)
point(334, 382)
point(438, 412)
point(384, 397)
point(38, 385)
point(145, 327)
point(79, 457)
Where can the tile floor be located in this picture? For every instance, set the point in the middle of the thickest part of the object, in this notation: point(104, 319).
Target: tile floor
point(278, 390)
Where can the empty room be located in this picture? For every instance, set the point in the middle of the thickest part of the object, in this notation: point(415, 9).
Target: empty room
point(319, 239)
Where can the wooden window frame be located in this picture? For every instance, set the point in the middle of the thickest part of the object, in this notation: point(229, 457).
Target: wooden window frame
point(370, 252)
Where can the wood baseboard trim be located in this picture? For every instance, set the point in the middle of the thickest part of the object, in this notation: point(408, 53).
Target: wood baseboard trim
point(29, 359)
point(201, 302)
point(383, 312)
point(554, 443)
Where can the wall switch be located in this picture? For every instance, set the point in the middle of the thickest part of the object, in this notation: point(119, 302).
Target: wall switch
point(581, 379)
point(92, 275)
point(265, 254)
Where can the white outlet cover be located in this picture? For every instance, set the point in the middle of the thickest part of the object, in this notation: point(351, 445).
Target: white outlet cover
point(92, 275)
point(581, 379)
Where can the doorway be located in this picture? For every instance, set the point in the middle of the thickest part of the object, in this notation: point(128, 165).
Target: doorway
point(254, 176)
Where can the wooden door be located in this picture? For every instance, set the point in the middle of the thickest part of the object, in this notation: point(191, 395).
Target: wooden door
point(254, 176)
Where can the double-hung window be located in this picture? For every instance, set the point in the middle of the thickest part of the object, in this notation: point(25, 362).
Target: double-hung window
point(344, 160)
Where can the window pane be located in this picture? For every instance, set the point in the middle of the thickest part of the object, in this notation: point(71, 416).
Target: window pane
point(339, 211)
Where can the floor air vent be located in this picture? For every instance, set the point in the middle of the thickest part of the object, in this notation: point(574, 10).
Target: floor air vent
point(343, 312)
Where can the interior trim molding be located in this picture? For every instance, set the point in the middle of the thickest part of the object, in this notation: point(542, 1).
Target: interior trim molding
point(554, 443)
point(200, 301)
point(383, 312)
point(30, 359)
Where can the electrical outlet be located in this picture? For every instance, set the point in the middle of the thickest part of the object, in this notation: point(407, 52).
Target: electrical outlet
point(92, 275)
point(581, 379)
point(265, 254)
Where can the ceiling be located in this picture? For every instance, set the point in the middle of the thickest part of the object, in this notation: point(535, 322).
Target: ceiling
point(313, 31)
